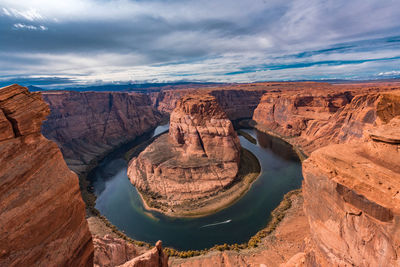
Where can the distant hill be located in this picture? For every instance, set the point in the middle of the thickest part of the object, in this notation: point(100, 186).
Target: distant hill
point(139, 87)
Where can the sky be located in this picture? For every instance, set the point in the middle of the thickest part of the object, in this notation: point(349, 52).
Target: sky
point(86, 42)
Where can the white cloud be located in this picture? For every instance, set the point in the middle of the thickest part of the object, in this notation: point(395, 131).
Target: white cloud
point(29, 14)
point(389, 73)
point(29, 27)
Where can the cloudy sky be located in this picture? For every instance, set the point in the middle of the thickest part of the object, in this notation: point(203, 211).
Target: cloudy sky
point(60, 43)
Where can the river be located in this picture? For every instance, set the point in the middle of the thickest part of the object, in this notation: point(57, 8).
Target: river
point(119, 202)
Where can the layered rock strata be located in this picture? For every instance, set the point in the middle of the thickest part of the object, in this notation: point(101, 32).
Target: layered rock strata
point(42, 215)
point(198, 158)
point(313, 120)
point(86, 125)
point(237, 103)
point(354, 221)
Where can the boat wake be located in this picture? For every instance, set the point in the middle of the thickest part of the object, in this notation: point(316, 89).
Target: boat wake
point(218, 223)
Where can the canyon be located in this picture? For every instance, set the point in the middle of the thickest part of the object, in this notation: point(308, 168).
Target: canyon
point(181, 172)
point(87, 125)
point(348, 132)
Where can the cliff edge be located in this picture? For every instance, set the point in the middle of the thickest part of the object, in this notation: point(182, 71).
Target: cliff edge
point(42, 215)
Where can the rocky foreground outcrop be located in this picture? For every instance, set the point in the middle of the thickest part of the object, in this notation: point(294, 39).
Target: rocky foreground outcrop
point(198, 158)
point(86, 125)
point(111, 251)
point(355, 219)
point(42, 215)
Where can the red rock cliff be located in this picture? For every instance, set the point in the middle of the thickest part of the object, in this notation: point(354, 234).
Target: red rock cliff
point(313, 119)
point(87, 125)
point(351, 191)
point(355, 219)
point(42, 215)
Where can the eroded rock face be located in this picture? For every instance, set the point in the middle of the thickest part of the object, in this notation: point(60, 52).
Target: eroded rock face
point(111, 251)
point(87, 125)
point(288, 113)
point(199, 157)
point(313, 120)
point(352, 199)
point(42, 215)
point(152, 258)
point(200, 126)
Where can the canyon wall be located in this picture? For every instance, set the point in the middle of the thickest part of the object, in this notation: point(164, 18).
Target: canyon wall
point(42, 215)
point(237, 103)
point(310, 120)
point(89, 124)
point(86, 125)
point(351, 191)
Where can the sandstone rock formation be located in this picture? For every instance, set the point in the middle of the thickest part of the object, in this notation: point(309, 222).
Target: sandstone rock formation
point(152, 258)
point(42, 215)
point(312, 120)
point(355, 219)
point(238, 103)
point(86, 125)
point(198, 159)
point(288, 113)
point(110, 251)
point(351, 191)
